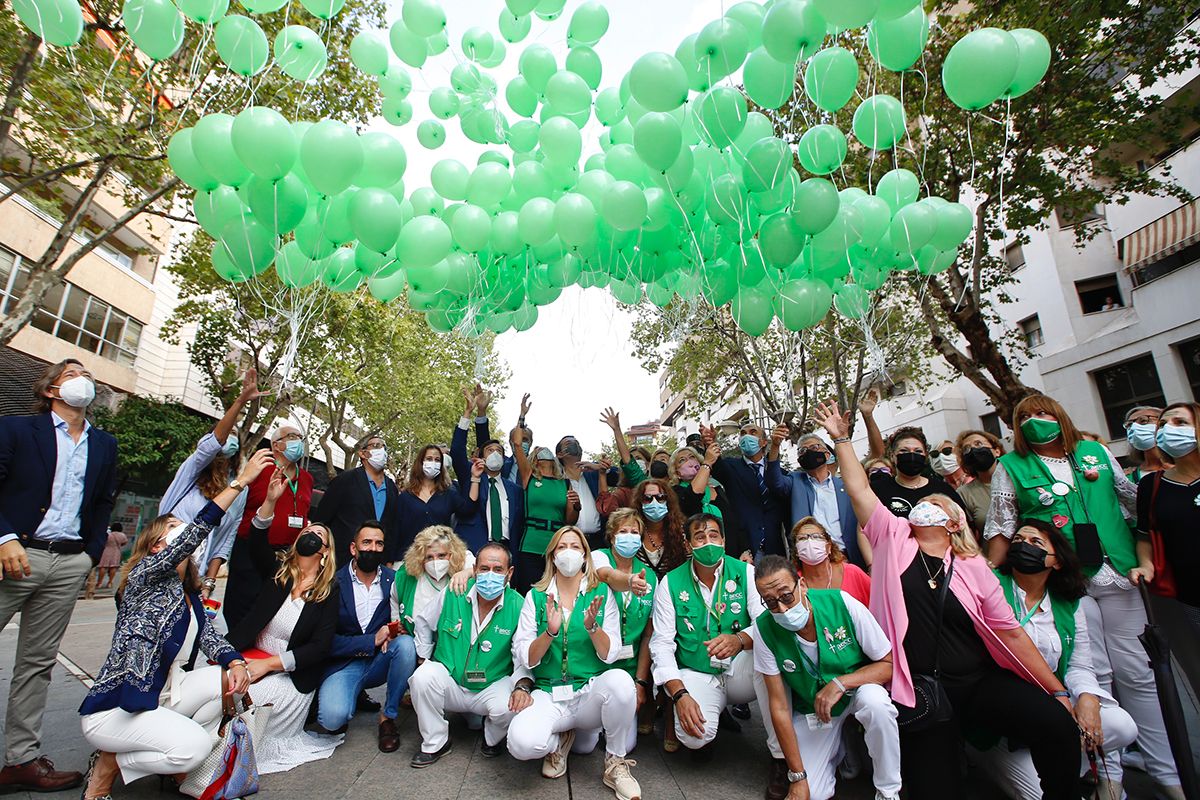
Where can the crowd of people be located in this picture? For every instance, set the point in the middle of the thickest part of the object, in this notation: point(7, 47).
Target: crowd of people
point(902, 610)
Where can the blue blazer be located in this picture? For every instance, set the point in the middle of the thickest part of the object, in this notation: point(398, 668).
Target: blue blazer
point(798, 487)
point(474, 530)
point(350, 640)
point(28, 456)
point(756, 523)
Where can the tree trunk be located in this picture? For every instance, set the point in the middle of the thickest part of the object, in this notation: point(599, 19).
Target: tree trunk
point(16, 86)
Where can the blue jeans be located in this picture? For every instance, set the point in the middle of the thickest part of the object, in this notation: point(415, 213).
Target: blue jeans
point(340, 689)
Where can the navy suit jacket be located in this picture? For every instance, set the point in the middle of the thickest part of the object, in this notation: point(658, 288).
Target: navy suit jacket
point(350, 640)
point(755, 523)
point(348, 502)
point(474, 530)
point(798, 488)
point(28, 456)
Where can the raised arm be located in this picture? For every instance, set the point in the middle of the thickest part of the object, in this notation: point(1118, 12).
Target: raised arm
point(866, 407)
point(249, 394)
point(773, 475)
point(613, 420)
point(829, 417)
point(524, 464)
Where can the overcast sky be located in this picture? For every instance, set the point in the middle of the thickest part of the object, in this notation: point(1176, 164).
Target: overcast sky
point(577, 358)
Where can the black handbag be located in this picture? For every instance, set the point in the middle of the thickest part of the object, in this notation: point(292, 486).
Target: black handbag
point(932, 704)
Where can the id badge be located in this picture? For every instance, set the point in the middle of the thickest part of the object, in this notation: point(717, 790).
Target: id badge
point(476, 676)
point(625, 653)
point(295, 522)
point(719, 664)
point(561, 694)
point(815, 724)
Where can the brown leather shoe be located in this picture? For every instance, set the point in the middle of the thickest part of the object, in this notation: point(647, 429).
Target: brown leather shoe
point(38, 775)
point(389, 736)
point(777, 782)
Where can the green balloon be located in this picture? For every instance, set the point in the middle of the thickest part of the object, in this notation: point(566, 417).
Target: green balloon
point(216, 208)
point(156, 27)
point(466, 79)
point(323, 9)
point(535, 221)
point(588, 24)
point(658, 82)
point(300, 53)
point(514, 28)
point(726, 200)
point(443, 102)
point(206, 12)
point(846, 14)
point(375, 219)
point(488, 185)
point(585, 62)
point(59, 22)
point(523, 136)
point(720, 115)
point(264, 142)
point(624, 206)
point(395, 82)
point(431, 134)
point(779, 240)
point(369, 52)
point(685, 54)
point(822, 149)
point(182, 158)
point(334, 214)
point(912, 227)
point(721, 48)
point(658, 140)
point(769, 82)
point(408, 47)
point(341, 272)
point(536, 65)
point(449, 178)
point(294, 268)
point(1033, 59)
point(852, 301)
point(803, 303)
point(385, 289)
point(423, 242)
point(816, 206)
point(898, 188)
point(263, 6)
point(212, 142)
point(560, 140)
point(438, 43)
point(780, 197)
point(879, 122)
point(767, 163)
point(568, 92)
point(954, 224)
point(505, 238)
point(397, 111)
point(331, 156)
point(426, 202)
point(750, 14)
point(311, 238)
point(575, 219)
point(877, 217)
point(278, 205)
point(384, 160)
point(242, 45)
point(980, 68)
point(890, 9)
point(831, 78)
point(249, 246)
point(521, 97)
point(471, 228)
point(793, 29)
point(424, 17)
point(225, 268)
point(752, 311)
point(897, 43)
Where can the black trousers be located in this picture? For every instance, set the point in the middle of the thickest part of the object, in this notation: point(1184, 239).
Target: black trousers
point(1000, 703)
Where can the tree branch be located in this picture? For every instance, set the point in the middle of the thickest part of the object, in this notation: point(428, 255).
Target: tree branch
point(16, 86)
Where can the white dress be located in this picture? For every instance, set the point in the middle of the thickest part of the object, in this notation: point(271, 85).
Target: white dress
point(285, 744)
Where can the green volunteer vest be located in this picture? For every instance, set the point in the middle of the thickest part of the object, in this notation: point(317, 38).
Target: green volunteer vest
point(1029, 475)
point(580, 663)
point(545, 503)
point(490, 657)
point(694, 622)
point(635, 612)
point(1064, 620)
point(838, 650)
point(405, 588)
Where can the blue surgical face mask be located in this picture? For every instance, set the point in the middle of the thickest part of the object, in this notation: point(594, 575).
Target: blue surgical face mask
point(1141, 437)
point(627, 544)
point(490, 585)
point(294, 450)
point(654, 510)
point(230, 448)
point(1176, 440)
point(794, 618)
point(749, 445)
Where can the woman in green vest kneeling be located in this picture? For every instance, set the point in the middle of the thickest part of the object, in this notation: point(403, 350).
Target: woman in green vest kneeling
point(823, 658)
point(568, 637)
point(1056, 476)
point(465, 644)
point(1044, 585)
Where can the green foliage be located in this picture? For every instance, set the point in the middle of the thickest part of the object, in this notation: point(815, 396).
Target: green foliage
point(155, 436)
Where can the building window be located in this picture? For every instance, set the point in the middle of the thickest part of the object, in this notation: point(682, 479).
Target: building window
point(1166, 265)
point(1125, 385)
point(991, 423)
point(1099, 294)
point(1070, 217)
point(1189, 352)
point(1014, 254)
point(896, 389)
point(1031, 327)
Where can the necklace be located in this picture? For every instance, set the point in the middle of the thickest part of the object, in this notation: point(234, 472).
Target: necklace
point(932, 576)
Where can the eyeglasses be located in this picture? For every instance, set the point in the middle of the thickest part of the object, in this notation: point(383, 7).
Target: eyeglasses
point(1141, 419)
point(815, 446)
point(806, 536)
point(787, 598)
point(290, 437)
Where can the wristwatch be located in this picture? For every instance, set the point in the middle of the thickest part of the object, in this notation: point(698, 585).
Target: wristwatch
point(521, 687)
point(209, 583)
point(796, 777)
point(236, 484)
point(594, 627)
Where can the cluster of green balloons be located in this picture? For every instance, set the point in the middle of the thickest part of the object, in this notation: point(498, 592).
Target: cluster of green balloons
point(989, 64)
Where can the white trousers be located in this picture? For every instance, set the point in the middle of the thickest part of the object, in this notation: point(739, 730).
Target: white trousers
point(821, 748)
point(1015, 774)
point(1123, 617)
point(434, 693)
point(738, 684)
point(608, 701)
point(171, 739)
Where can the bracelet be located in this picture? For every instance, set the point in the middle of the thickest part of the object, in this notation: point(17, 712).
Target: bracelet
point(675, 697)
point(520, 687)
point(476, 480)
point(595, 627)
point(1062, 693)
point(209, 583)
point(838, 683)
point(706, 466)
point(645, 684)
point(841, 439)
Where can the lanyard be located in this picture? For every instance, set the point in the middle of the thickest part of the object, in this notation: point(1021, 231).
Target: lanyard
point(716, 597)
point(1017, 610)
point(813, 669)
point(474, 648)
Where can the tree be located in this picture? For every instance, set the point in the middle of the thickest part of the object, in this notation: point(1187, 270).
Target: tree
point(93, 120)
point(156, 436)
point(1057, 148)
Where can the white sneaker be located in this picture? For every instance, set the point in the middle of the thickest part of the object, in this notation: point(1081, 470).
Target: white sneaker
point(618, 778)
point(554, 765)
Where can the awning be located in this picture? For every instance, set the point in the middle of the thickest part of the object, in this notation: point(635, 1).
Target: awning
point(1168, 234)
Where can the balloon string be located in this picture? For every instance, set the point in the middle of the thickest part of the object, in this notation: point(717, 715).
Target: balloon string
point(1004, 154)
point(86, 104)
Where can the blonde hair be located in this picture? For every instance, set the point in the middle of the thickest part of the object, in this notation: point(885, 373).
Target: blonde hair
point(591, 579)
point(623, 516)
point(836, 556)
point(962, 541)
point(290, 572)
point(414, 557)
point(678, 456)
point(141, 548)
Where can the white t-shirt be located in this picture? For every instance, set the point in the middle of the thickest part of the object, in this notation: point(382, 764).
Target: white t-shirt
point(589, 516)
point(867, 633)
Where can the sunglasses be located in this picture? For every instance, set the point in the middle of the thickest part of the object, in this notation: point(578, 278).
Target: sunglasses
point(787, 598)
point(946, 451)
point(650, 498)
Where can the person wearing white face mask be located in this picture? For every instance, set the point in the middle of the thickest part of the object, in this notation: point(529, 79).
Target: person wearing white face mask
point(1141, 430)
point(360, 494)
point(823, 565)
point(431, 498)
point(823, 658)
point(568, 636)
point(945, 463)
point(57, 479)
point(436, 556)
point(498, 514)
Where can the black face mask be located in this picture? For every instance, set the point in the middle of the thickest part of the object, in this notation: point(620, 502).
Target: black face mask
point(368, 560)
point(811, 459)
point(911, 464)
point(1026, 558)
point(309, 544)
point(658, 469)
point(979, 459)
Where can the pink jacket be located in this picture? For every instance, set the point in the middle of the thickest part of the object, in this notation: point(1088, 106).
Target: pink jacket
point(973, 584)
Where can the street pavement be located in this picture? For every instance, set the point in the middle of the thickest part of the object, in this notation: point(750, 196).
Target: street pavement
point(733, 767)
